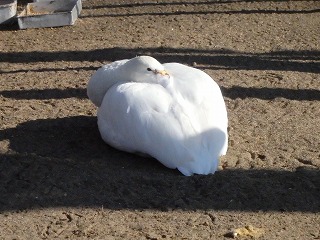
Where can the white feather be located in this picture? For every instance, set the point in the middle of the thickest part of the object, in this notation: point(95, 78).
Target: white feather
point(180, 119)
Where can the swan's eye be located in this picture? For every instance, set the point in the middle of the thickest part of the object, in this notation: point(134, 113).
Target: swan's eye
point(149, 69)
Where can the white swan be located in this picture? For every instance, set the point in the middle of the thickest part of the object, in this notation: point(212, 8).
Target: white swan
point(170, 111)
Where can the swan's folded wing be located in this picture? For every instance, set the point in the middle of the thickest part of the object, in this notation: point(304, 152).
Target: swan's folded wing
point(203, 98)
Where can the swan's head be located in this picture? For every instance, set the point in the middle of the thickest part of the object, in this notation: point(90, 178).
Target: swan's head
point(138, 69)
point(144, 69)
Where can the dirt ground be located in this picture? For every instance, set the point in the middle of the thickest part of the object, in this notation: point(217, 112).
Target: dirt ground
point(58, 179)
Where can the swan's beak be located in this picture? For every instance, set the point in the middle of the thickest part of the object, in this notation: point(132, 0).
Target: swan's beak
point(162, 72)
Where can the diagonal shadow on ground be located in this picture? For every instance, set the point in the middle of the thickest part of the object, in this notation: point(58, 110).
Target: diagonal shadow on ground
point(300, 61)
point(63, 162)
point(192, 8)
point(181, 3)
point(230, 92)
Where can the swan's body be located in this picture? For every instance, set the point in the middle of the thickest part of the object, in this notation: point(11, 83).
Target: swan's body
point(171, 112)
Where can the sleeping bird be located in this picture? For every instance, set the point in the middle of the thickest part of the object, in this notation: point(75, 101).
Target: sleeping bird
point(171, 112)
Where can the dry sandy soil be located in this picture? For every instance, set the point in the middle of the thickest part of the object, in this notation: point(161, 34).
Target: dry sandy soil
point(59, 180)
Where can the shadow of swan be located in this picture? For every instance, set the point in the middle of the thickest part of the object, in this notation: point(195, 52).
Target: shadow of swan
point(63, 162)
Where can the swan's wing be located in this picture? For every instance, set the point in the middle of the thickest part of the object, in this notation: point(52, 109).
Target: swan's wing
point(102, 80)
point(142, 117)
point(135, 117)
point(203, 98)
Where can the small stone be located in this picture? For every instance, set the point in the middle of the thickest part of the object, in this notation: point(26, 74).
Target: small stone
point(247, 231)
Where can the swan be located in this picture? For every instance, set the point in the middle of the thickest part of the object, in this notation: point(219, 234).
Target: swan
point(171, 112)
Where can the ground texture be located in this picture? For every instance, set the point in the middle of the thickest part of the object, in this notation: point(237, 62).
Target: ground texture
point(59, 180)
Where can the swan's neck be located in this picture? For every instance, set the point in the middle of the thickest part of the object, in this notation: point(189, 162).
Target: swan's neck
point(100, 83)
